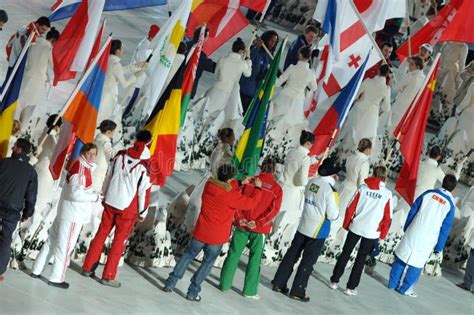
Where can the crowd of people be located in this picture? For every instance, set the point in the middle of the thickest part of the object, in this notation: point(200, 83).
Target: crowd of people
point(283, 216)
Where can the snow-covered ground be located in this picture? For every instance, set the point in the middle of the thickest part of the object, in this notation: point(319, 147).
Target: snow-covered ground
point(140, 291)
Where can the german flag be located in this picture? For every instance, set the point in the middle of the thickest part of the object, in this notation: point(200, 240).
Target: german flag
point(250, 144)
point(164, 123)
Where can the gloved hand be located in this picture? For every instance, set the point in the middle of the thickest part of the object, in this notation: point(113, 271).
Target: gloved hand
point(100, 198)
point(139, 73)
point(313, 159)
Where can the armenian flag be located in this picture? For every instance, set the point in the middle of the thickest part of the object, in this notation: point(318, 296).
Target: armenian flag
point(250, 144)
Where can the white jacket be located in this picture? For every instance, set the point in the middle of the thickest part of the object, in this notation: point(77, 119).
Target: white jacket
point(77, 194)
point(357, 170)
point(229, 70)
point(105, 154)
point(297, 78)
point(296, 170)
point(429, 174)
point(141, 54)
point(370, 212)
point(40, 59)
point(320, 203)
point(222, 154)
point(127, 177)
point(427, 227)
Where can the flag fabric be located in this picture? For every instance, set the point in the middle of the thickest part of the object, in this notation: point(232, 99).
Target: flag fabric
point(251, 142)
point(374, 13)
point(223, 19)
point(411, 135)
point(82, 112)
point(433, 31)
point(73, 48)
point(461, 26)
point(190, 75)
point(164, 45)
point(345, 47)
point(96, 47)
point(164, 123)
point(63, 9)
point(10, 102)
point(337, 112)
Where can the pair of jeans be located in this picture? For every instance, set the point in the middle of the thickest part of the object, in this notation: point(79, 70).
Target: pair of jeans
point(365, 247)
point(311, 248)
point(469, 275)
point(7, 227)
point(211, 252)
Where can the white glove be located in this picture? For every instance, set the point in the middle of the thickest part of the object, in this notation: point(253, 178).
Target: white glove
point(100, 197)
point(313, 159)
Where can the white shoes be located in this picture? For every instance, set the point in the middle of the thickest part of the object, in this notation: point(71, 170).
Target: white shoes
point(253, 297)
point(350, 292)
point(333, 286)
point(411, 293)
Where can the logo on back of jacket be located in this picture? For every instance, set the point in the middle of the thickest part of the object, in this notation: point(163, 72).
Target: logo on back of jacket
point(373, 195)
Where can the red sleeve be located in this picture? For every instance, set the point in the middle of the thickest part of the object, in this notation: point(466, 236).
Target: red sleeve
point(384, 226)
point(350, 211)
point(238, 200)
point(272, 210)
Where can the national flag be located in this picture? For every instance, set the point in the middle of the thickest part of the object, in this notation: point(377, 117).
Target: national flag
point(190, 74)
point(461, 26)
point(164, 45)
point(73, 48)
point(335, 116)
point(250, 144)
point(345, 47)
point(9, 102)
point(223, 19)
point(63, 9)
point(81, 113)
point(374, 13)
point(164, 124)
point(411, 135)
point(96, 47)
point(433, 31)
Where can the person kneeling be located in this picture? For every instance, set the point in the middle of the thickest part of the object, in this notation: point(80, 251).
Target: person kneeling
point(220, 199)
point(320, 207)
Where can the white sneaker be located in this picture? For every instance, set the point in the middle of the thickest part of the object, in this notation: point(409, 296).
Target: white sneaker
point(411, 293)
point(333, 286)
point(253, 297)
point(350, 292)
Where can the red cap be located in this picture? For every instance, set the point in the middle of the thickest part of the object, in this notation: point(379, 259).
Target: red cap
point(154, 29)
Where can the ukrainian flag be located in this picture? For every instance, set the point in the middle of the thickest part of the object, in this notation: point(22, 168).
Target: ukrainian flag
point(9, 104)
point(250, 144)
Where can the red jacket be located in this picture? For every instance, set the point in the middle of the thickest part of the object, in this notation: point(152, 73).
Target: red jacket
point(268, 207)
point(219, 203)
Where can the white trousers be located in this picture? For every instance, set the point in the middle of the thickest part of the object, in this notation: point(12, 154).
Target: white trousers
point(60, 243)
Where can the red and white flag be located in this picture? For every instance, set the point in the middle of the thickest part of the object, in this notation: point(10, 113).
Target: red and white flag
point(374, 13)
point(71, 52)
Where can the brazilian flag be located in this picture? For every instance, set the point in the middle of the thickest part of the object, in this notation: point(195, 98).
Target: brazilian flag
point(250, 144)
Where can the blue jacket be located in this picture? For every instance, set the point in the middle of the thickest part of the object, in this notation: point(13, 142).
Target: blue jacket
point(260, 64)
point(292, 55)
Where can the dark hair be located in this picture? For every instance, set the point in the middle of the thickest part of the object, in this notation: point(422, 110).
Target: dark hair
point(226, 172)
point(388, 44)
point(50, 122)
point(52, 34)
point(24, 145)
point(143, 136)
point(380, 172)
point(107, 125)
point(225, 133)
point(238, 45)
point(268, 165)
point(43, 21)
point(435, 152)
point(305, 51)
point(182, 48)
point(311, 28)
point(3, 16)
point(418, 61)
point(364, 144)
point(116, 45)
point(267, 36)
point(87, 147)
point(384, 70)
point(306, 136)
point(449, 182)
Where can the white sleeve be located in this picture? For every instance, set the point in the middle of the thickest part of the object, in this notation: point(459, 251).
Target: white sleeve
point(386, 101)
point(304, 173)
point(108, 176)
point(117, 71)
point(143, 194)
point(284, 76)
point(332, 209)
point(247, 68)
point(364, 173)
point(78, 192)
point(109, 151)
point(312, 82)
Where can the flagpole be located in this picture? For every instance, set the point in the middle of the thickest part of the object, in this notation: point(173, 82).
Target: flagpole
point(254, 33)
point(408, 28)
point(374, 43)
point(17, 65)
point(405, 117)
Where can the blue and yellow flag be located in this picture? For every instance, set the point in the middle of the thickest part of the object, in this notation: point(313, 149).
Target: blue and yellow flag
point(8, 105)
point(250, 144)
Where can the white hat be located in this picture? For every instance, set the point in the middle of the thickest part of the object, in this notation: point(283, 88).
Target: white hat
point(427, 47)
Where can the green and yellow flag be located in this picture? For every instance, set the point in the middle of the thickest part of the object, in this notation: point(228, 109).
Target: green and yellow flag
point(250, 144)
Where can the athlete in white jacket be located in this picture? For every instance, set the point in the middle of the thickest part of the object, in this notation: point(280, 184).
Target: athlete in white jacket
point(426, 230)
point(74, 211)
point(367, 219)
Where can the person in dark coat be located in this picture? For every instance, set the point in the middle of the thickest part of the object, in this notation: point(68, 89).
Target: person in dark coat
point(307, 39)
point(18, 190)
point(260, 63)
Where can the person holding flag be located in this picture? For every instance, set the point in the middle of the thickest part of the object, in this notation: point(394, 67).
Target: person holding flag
point(310, 36)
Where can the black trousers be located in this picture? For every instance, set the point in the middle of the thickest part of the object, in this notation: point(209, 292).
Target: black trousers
point(311, 248)
point(7, 227)
point(366, 246)
point(246, 100)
